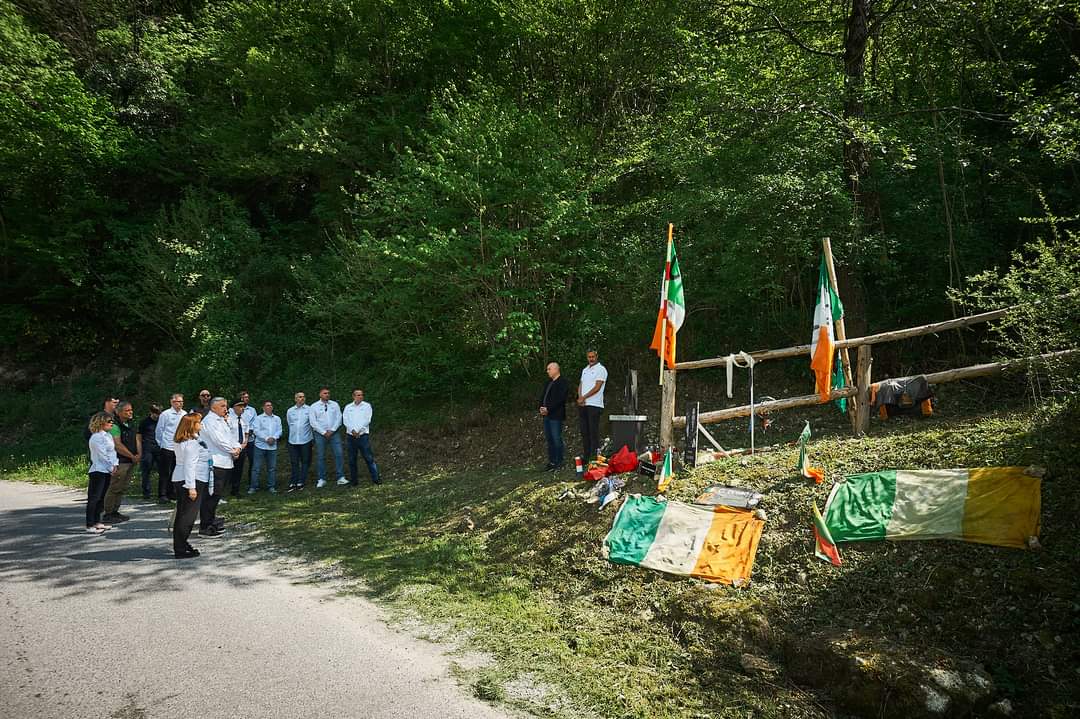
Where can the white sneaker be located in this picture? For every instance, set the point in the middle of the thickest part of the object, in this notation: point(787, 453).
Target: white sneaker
point(222, 501)
point(320, 484)
point(341, 481)
point(94, 530)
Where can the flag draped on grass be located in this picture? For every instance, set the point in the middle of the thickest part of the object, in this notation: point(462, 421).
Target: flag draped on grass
point(673, 307)
point(824, 547)
point(828, 310)
point(988, 505)
point(714, 543)
point(814, 473)
point(666, 473)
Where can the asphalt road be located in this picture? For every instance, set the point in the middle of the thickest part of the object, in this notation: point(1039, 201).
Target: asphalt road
point(113, 626)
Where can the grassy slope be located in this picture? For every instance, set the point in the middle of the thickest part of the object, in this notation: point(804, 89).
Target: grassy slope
point(529, 586)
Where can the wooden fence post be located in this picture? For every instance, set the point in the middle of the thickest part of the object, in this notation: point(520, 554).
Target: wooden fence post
point(862, 381)
point(667, 410)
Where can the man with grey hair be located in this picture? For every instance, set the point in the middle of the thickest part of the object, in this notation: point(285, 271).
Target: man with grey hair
point(222, 443)
point(590, 401)
point(128, 445)
point(165, 434)
point(553, 414)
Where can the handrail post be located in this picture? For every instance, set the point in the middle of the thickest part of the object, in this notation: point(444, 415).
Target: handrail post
point(862, 382)
point(667, 410)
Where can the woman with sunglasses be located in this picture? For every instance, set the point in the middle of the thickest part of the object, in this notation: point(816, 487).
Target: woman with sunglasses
point(103, 465)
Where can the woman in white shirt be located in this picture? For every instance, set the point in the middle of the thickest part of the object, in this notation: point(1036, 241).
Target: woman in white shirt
point(103, 465)
point(189, 480)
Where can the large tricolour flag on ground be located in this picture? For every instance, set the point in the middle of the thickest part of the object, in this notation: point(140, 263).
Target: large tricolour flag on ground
point(714, 543)
point(828, 310)
point(989, 505)
point(672, 306)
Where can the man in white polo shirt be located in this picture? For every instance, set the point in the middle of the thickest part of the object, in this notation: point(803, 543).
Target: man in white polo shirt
point(590, 400)
point(357, 420)
point(165, 434)
point(223, 443)
point(299, 420)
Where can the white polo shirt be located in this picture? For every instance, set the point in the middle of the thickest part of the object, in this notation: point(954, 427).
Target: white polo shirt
point(589, 376)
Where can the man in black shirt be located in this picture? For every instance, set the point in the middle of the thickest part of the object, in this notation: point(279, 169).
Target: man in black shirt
point(553, 412)
point(147, 429)
point(128, 446)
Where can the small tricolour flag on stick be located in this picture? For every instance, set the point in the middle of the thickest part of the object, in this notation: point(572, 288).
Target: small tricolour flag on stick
point(824, 547)
point(815, 473)
point(672, 308)
point(666, 473)
point(828, 310)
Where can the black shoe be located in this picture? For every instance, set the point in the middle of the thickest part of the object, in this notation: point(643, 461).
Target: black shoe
point(548, 467)
point(211, 532)
point(147, 497)
point(186, 554)
point(163, 500)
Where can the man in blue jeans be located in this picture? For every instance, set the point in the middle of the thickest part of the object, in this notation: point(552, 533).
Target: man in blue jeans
point(267, 430)
point(299, 420)
point(357, 419)
point(325, 422)
point(553, 412)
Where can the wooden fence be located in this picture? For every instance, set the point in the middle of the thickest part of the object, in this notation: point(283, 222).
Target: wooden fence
point(858, 390)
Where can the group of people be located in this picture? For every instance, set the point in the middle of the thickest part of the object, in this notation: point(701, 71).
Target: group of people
point(590, 403)
point(201, 453)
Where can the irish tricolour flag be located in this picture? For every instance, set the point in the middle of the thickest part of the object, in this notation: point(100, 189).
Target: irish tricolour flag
point(815, 473)
point(989, 505)
point(713, 543)
point(828, 310)
point(666, 472)
point(672, 307)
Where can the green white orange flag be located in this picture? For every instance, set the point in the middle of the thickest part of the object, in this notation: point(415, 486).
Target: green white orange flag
point(828, 310)
point(825, 547)
point(815, 473)
point(672, 307)
point(666, 473)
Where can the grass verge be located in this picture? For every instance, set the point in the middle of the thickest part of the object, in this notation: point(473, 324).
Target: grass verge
point(496, 557)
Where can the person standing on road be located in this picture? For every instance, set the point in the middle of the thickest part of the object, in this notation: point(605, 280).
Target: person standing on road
point(129, 450)
point(242, 430)
point(267, 431)
point(164, 434)
point(248, 415)
point(192, 476)
point(298, 418)
point(325, 421)
point(221, 441)
point(108, 407)
point(590, 401)
point(149, 456)
point(357, 420)
point(103, 465)
point(553, 414)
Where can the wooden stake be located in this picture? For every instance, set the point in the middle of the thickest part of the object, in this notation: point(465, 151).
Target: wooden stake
point(841, 332)
point(863, 379)
point(663, 299)
point(667, 411)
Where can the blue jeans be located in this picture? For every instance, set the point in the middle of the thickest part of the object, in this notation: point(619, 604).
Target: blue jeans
point(363, 445)
point(299, 463)
point(146, 465)
point(334, 441)
point(269, 458)
point(553, 435)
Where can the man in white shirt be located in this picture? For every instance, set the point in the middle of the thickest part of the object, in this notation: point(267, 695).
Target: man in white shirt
point(267, 431)
point(325, 421)
point(247, 414)
point(221, 442)
point(357, 419)
point(165, 435)
point(590, 400)
point(299, 420)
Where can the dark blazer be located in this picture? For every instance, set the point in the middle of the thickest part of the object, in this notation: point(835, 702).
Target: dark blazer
point(554, 397)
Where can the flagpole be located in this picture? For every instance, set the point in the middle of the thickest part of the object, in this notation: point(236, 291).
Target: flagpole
point(841, 334)
point(663, 301)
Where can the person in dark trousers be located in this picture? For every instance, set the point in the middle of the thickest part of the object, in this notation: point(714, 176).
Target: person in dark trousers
point(590, 400)
point(356, 417)
point(203, 408)
point(191, 477)
point(164, 436)
point(148, 430)
point(128, 445)
point(103, 464)
point(221, 438)
point(553, 414)
point(238, 418)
